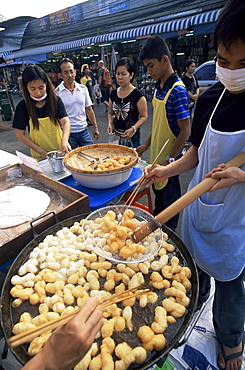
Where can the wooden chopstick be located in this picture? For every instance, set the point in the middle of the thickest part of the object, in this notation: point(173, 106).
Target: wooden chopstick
point(29, 335)
point(110, 298)
point(123, 298)
point(131, 198)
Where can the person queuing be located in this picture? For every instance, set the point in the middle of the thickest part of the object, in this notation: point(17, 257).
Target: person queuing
point(171, 119)
point(191, 83)
point(213, 225)
point(104, 85)
point(78, 105)
point(87, 81)
point(69, 343)
point(43, 113)
point(127, 105)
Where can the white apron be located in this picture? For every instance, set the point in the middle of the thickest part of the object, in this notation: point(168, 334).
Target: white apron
point(213, 226)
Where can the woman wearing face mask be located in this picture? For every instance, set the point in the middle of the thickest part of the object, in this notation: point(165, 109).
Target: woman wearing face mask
point(127, 106)
point(213, 225)
point(43, 113)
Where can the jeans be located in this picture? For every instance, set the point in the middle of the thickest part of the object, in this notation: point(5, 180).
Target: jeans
point(165, 197)
point(80, 138)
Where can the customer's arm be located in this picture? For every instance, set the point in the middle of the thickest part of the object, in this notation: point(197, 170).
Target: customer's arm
point(143, 115)
point(69, 343)
point(143, 148)
point(91, 116)
point(110, 118)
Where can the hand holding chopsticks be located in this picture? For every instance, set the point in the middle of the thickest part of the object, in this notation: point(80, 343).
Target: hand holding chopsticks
point(68, 344)
point(143, 180)
point(29, 335)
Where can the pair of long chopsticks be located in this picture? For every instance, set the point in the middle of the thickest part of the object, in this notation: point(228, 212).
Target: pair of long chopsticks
point(29, 335)
point(143, 179)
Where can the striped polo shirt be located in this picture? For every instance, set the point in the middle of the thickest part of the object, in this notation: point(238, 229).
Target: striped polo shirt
point(177, 105)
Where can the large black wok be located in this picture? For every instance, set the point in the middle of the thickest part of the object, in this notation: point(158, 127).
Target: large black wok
point(8, 315)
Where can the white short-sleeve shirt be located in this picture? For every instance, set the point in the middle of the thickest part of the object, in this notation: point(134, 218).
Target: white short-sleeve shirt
point(75, 104)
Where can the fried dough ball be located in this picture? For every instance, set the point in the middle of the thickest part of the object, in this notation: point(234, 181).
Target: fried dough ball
point(91, 257)
point(176, 309)
point(150, 339)
point(127, 315)
point(157, 265)
point(137, 279)
point(144, 267)
point(107, 328)
point(128, 219)
point(16, 302)
point(158, 282)
point(125, 269)
point(20, 327)
point(112, 311)
point(169, 247)
point(112, 277)
point(183, 276)
point(107, 347)
point(37, 343)
point(92, 278)
point(26, 280)
point(179, 294)
point(130, 249)
point(144, 299)
point(22, 293)
point(128, 356)
point(160, 320)
point(102, 267)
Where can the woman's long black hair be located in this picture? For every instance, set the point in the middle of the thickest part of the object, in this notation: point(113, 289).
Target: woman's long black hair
point(33, 73)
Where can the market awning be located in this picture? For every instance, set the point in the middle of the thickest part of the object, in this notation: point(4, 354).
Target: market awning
point(207, 17)
point(163, 28)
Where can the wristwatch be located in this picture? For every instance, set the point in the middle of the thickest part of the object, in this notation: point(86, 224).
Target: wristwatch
point(170, 159)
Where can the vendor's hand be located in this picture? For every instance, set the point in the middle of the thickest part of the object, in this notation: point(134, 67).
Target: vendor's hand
point(157, 174)
point(229, 177)
point(43, 153)
point(96, 134)
point(70, 343)
point(65, 146)
point(141, 149)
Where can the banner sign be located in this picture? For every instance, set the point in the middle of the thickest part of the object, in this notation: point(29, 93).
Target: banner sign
point(70, 15)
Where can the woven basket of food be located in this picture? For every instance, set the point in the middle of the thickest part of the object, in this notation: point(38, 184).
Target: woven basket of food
point(101, 166)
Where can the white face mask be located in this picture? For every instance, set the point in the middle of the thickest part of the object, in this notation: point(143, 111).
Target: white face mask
point(39, 99)
point(233, 80)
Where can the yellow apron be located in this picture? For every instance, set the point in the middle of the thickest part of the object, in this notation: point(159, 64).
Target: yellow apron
point(161, 132)
point(48, 136)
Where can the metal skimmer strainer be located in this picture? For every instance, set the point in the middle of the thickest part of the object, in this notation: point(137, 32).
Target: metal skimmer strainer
point(97, 240)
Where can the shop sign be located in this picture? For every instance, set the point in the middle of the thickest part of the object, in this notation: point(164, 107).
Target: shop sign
point(8, 61)
point(142, 37)
point(182, 32)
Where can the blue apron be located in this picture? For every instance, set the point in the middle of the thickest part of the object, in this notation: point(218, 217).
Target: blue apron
point(213, 226)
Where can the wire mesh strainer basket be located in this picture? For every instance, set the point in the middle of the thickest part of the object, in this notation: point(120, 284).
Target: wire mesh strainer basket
point(106, 236)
